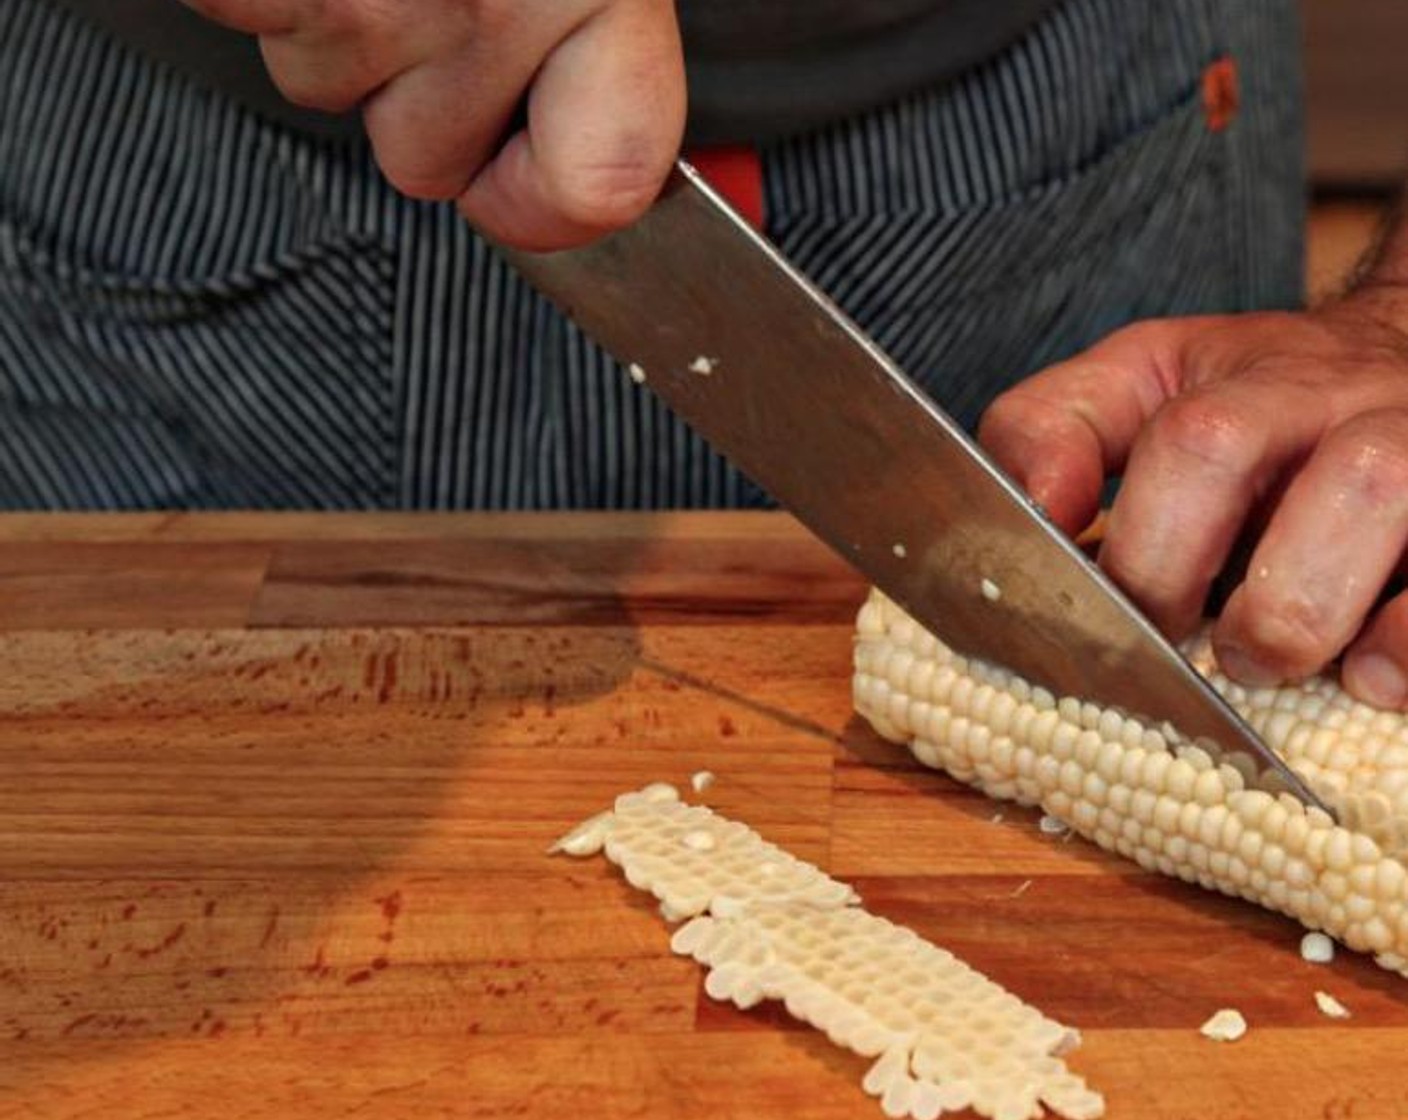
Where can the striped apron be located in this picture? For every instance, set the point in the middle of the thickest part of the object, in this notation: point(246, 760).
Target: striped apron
point(201, 309)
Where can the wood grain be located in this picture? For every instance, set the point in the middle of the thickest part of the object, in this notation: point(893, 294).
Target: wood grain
point(274, 846)
point(46, 585)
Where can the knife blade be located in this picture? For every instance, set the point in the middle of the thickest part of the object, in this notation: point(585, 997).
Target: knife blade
point(761, 364)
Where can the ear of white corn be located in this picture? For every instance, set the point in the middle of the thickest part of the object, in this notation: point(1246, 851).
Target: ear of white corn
point(1158, 799)
point(769, 926)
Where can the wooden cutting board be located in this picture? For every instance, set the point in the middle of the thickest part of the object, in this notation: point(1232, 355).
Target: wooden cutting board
point(277, 793)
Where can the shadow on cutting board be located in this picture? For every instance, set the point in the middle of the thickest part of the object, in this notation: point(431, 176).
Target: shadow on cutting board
point(238, 831)
point(331, 822)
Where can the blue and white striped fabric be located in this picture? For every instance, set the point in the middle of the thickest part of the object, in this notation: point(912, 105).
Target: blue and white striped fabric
point(200, 309)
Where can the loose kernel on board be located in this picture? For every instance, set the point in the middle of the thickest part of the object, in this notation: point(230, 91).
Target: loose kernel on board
point(1225, 1025)
point(586, 839)
point(1330, 1006)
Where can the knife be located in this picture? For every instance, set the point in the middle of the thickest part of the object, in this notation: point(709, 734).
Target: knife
point(761, 364)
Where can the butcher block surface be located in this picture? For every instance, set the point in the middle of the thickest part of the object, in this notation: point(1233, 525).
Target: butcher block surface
point(277, 793)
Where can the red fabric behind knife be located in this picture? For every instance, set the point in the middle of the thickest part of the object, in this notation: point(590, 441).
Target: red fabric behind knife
point(737, 174)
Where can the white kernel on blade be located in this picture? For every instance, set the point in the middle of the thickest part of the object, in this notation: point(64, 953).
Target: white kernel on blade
point(1052, 826)
point(699, 841)
point(1225, 1025)
point(991, 592)
point(703, 366)
point(900, 551)
point(637, 373)
point(1317, 948)
point(702, 780)
point(1330, 1006)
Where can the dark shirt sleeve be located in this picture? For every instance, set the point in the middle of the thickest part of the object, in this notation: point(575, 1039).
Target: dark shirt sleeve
point(758, 69)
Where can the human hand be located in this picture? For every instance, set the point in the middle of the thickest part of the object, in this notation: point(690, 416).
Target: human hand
point(439, 82)
point(1293, 424)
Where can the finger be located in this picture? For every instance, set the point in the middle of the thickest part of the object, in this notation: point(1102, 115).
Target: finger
point(605, 121)
point(434, 126)
point(1334, 541)
point(1056, 451)
point(1376, 666)
point(345, 52)
point(254, 17)
point(335, 80)
point(1192, 479)
point(1062, 431)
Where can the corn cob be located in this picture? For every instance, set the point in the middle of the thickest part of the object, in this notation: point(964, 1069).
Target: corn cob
point(1156, 798)
point(769, 926)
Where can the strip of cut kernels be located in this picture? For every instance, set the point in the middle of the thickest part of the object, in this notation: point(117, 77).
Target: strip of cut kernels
point(787, 931)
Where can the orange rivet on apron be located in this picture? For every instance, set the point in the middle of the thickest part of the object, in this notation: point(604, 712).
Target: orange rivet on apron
point(1220, 93)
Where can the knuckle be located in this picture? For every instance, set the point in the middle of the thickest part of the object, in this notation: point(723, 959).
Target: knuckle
point(315, 80)
point(1210, 430)
point(1147, 334)
point(1370, 458)
point(334, 60)
point(1291, 635)
point(423, 183)
point(1153, 343)
point(1031, 413)
point(1010, 411)
point(311, 91)
point(610, 195)
point(1142, 574)
point(413, 162)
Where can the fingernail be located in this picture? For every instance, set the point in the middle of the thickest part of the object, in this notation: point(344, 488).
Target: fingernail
point(1376, 680)
point(1240, 666)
